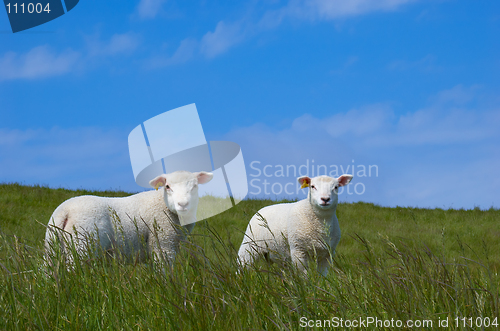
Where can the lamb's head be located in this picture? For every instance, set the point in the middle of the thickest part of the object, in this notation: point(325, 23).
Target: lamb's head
point(323, 190)
point(181, 190)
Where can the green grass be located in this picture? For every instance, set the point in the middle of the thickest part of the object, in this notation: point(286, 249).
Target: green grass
point(391, 263)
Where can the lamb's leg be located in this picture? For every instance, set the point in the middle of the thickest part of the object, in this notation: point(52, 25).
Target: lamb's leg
point(164, 251)
point(325, 263)
point(250, 251)
point(246, 254)
point(300, 259)
point(323, 266)
point(164, 256)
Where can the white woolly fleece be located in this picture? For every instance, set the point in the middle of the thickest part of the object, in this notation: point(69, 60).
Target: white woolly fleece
point(305, 230)
point(137, 225)
point(136, 215)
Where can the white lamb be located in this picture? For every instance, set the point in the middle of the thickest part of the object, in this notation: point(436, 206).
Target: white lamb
point(305, 230)
point(138, 225)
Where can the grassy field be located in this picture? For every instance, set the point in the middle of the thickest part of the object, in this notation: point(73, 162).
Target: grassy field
point(424, 265)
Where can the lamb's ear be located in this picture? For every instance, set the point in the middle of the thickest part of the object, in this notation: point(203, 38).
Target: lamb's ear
point(304, 181)
point(344, 180)
point(158, 181)
point(204, 177)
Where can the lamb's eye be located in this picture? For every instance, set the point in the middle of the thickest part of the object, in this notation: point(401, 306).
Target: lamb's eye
point(167, 187)
point(312, 186)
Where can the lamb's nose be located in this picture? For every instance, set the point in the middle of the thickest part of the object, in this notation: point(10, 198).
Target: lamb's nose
point(325, 200)
point(183, 204)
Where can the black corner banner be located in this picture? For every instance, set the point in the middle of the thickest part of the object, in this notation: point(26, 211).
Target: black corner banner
point(24, 15)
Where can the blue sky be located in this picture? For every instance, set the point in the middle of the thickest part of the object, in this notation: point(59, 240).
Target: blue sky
point(411, 87)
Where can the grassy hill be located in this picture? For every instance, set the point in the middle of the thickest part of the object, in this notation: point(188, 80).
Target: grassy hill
point(392, 263)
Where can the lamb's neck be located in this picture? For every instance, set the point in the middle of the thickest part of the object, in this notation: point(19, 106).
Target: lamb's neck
point(325, 215)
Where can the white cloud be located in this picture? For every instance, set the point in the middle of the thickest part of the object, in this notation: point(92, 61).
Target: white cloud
point(120, 43)
point(148, 9)
point(43, 62)
point(185, 52)
point(228, 34)
point(447, 120)
point(331, 9)
point(444, 155)
point(221, 39)
point(72, 157)
point(327, 10)
point(211, 45)
point(457, 96)
point(39, 62)
point(359, 122)
point(117, 44)
point(435, 126)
